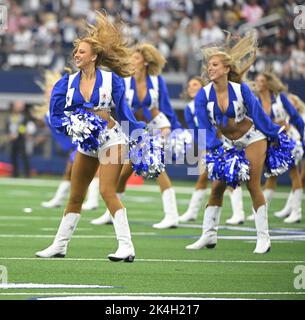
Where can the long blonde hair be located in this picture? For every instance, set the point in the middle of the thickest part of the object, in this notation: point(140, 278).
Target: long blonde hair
point(238, 56)
point(107, 42)
point(152, 57)
point(275, 85)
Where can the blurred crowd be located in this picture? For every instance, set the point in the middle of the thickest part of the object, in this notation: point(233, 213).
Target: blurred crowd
point(40, 33)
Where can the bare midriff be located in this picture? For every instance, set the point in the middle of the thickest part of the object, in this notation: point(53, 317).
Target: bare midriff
point(233, 130)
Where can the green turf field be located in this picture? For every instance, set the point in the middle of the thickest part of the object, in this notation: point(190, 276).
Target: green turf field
point(162, 267)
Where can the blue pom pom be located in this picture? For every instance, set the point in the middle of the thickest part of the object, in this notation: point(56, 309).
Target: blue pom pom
point(279, 157)
point(147, 156)
point(229, 165)
point(236, 168)
point(215, 163)
point(87, 129)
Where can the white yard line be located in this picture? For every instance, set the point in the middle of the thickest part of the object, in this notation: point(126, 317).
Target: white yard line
point(142, 188)
point(162, 260)
point(53, 286)
point(171, 294)
point(49, 236)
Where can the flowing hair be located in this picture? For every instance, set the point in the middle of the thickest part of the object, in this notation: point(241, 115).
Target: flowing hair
point(237, 53)
point(152, 56)
point(107, 42)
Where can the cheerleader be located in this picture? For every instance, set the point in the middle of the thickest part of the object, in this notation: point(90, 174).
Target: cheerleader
point(42, 113)
point(148, 98)
point(238, 217)
point(271, 95)
point(226, 104)
point(80, 105)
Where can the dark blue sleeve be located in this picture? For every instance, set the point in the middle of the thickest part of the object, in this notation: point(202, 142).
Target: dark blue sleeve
point(123, 112)
point(255, 111)
point(165, 105)
point(201, 112)
point(189, 118)
point(58, 102)
point(295, 118)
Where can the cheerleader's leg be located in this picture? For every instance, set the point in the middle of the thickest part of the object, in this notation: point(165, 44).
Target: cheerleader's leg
point(83, 171)
point(256, 153)
point(109, 176)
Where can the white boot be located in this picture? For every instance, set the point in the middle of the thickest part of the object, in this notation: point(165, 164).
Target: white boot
point(296, 212)
point(209, 229)
point(263, 244)
point(105, 218)
point(92, 196)
point(58, 248)
point(238, 216)
point(285, 212)
point(171, 218)
point(59, 197)
point(194, 206)
point(125, 250)
point(268, 194)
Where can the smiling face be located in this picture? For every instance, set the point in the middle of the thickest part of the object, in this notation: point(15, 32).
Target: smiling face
point(193, 87)
point(83, 55)
point(216, 68)
point(138, 61)
point(261, 83)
